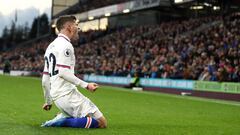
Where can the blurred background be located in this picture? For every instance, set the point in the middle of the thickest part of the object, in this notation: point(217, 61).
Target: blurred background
point(193, 40)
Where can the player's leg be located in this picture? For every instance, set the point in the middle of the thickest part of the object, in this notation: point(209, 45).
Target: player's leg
point(84, 122)
point(88, 108)
point(93, 120)
point(72, 108)
point(102, 121)
point(79, 109)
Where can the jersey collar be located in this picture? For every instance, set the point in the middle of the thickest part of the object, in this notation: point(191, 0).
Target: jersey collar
point(64, 36)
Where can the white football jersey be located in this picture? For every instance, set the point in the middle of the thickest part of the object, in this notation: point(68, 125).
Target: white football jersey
point(59, 54)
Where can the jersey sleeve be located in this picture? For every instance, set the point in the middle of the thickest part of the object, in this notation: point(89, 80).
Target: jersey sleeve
point(46, 83)
point(46, 66)
point(46, 89)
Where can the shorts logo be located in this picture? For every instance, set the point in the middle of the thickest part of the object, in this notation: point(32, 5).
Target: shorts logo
point(67, 52)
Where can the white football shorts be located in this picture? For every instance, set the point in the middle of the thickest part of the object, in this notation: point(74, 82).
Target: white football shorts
point(75, 104)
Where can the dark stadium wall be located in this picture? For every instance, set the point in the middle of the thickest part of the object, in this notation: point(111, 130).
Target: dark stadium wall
point(134, 19)
point(204, 94)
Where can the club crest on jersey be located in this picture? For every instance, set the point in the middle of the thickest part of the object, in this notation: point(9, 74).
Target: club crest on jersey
point(67, 52)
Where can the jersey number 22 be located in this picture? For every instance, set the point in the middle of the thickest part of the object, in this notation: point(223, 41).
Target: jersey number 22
point(51, 68)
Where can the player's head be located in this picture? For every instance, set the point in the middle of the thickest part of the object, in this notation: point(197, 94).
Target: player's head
point(68, 25)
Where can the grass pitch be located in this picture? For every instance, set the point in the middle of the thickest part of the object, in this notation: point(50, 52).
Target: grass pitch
point(128, 112)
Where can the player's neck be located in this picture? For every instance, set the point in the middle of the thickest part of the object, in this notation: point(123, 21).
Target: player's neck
point(67, 34)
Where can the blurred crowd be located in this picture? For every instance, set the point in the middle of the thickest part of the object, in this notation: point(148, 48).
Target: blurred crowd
point(198, 49)
point(27, 58)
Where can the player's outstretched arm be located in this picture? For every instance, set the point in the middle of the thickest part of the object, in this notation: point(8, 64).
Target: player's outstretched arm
point(67, 75)
point(46, 91)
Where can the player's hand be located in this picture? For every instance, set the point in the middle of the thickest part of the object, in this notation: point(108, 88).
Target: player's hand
point(47, 107)
point(92, 87)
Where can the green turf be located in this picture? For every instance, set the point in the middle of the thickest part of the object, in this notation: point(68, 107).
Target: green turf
point(128, 112)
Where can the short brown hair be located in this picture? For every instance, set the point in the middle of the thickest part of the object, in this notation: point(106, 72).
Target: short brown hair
point(64, 19)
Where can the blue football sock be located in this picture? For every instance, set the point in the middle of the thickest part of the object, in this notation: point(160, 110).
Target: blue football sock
point(85, 122)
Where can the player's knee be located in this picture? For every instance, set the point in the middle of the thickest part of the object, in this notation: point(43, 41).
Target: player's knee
point(102, 122)
point(103, 125)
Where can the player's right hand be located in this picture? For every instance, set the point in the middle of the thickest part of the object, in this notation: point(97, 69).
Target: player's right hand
point(92, 87)
point(47, 107)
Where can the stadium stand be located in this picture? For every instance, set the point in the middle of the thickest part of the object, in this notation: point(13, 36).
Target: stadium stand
point(85, 5)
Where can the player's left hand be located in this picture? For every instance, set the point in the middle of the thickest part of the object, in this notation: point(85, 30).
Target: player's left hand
point(47, 107)
point(92, 87)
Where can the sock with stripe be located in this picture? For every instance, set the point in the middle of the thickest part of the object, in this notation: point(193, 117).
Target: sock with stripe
point(85, 122)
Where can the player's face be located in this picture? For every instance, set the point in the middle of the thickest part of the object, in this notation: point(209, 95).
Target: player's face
point(75, 35)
